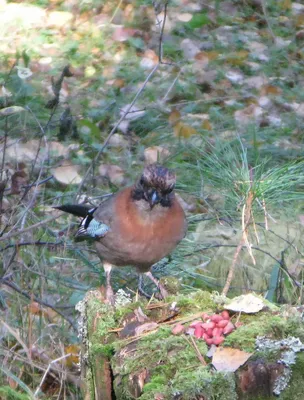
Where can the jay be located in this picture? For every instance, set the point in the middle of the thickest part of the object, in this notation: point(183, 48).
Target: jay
point(137, 226)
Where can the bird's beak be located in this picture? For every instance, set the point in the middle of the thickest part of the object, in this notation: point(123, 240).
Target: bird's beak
point(154, 199)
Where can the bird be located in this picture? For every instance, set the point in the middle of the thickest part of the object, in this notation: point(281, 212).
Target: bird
point(137, 226)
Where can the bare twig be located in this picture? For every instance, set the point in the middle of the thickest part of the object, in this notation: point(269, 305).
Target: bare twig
point(28, 229)
point(48, 369)
point(13, 286)
point(198, 353)
point(244, 240)
point(267, 20)
point(16, 335)
point(36, 183)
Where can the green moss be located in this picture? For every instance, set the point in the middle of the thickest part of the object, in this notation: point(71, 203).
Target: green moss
point(166, 353)
point(157, 384)
point(200, 301)
point(105, 349)
point(274, 326)
point(100, 318)
point(121, 312)
point(171, 283)
point(201, 382)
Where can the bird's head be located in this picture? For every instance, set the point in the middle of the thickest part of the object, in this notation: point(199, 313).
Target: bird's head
point(155, 186)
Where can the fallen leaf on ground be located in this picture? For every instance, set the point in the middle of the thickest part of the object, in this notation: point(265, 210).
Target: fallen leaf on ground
point(5, 112)
point(67, 174)
point(229, 359)
point(184, 130)
point(248, 115)
point(155, 154)
point(134, 112)
point(235, 77)
point(73, 359)
point(247, 303)
point(190, 49)
point(114, 173)
point(123, 34)
point(174, 117)
point(147, 327)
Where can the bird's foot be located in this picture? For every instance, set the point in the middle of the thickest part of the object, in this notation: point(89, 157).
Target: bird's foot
point(163, 291)
point(110, 296)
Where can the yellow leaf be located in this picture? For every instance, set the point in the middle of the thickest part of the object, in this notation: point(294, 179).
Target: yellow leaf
point(299, 20)
point(35, 308)
point(285, 4)
point(212, 55)
point(74, 357)
point(119, 83)
point(174, 117)
point(229, 359)
point(270, 89)
point(206, 125)
point(184, 130)
point(237, 58)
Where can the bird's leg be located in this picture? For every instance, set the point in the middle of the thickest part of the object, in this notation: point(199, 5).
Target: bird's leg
point(162, 290)
point(110, 298)
point(140, 287)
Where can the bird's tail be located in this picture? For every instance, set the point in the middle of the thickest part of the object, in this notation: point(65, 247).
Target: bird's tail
point(75, 209)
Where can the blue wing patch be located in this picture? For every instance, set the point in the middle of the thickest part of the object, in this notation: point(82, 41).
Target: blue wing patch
point(90, 227)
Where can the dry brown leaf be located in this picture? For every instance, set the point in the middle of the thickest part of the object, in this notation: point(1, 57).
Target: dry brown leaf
point(247, 303)
point(23, 152)
point(184, 130)
point(118, 140)
point(19, 179)
point(299, 21)
point(248, 115)
point(155, 154)
point(35, 308)
point(147, 327)
point(237, 58)
point(174, 117)
point(114, 173)
point(117, 83)
point(229, 359)
point(270, 89)
point(67, 174)
point(206, 125)
point(190, 49)
point(285, 5)
point(212, 54)
point(121, 34)
point(74, 357)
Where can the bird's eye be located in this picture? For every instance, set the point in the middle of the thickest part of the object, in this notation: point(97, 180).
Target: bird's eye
point(142, 182)
point(168, 190)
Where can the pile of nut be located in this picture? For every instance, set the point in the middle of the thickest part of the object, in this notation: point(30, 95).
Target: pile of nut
point(212, 329)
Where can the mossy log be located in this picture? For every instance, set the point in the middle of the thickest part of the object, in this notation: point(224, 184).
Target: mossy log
point(130, 352)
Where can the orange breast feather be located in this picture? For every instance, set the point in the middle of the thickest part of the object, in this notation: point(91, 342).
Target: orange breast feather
point(157, 235)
